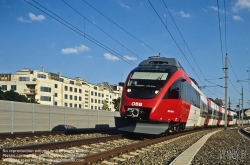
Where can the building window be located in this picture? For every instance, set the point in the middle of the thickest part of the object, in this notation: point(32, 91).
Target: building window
point(70, 97)
point(55, 94)
point(75, 90)
point(75, 105)
point(86, 102)
point(80, 106)
point(65, 104)
point(99, 95)
point(45, 89)
point(55, 85)
point(70, 89)
point(13, 87)
point(65, 96)
point(66, 88)
point(86, 91)
point(80, 90)
point(80, 98)
point(92, 93)
point(86, 98)
point(86, 95)
point(45, 98)
point(92, 100)
point(70, 104)
point(86, 105)
point(71, 82)
point(95, 100)
point(95, 88)
point(75, 97)
point(102, 95)
point(4, 87)
point(91, 107)
point(24, 79)
point(61, 80)
point(99, 102)
point(55, 103)
point(41, 76)
point(95, 93)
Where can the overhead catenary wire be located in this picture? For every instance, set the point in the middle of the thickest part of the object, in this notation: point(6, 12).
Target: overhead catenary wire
point(220, 33)
point(183, 39)
point(100, 28)
point(174, 40)
point(225, 25)
point(121, 28)
point(80, 32)
point(178, 45)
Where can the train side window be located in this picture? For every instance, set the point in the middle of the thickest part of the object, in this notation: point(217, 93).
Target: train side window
point(173, 91)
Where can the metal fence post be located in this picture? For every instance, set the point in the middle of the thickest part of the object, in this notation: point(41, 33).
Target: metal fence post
point(88, 118)
point(97, 119)
point(77, 117)
point(64, 115)
point(49, 118)
point(12, 117)
point(33, 116)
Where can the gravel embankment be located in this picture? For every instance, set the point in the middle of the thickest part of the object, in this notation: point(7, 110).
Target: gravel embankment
point(224, 147)
point(161, 153)
point(5, 143)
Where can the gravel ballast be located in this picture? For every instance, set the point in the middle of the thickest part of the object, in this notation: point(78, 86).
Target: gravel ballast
point(224, 147)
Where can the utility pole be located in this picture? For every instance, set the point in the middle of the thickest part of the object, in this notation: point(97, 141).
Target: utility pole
point(240, 119)
point(229, 104)
point(242, 106)
point(226, 77)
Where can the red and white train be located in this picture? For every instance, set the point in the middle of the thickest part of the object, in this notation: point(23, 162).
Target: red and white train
point(159, 97)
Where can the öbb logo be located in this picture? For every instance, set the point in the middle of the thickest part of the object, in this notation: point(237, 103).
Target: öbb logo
point(136, 104)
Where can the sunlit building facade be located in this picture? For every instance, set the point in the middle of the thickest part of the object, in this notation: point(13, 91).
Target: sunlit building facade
point(54, 89)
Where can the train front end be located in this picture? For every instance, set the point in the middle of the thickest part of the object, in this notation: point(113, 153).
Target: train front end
point(142, 96)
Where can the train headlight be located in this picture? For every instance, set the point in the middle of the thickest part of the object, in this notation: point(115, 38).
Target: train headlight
point(156, 91)
point(128, 90)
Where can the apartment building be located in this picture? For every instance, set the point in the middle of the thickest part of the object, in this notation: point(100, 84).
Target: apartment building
point(54, 89)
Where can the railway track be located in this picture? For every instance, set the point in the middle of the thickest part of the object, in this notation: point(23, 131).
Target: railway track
point(83, 151)
point(12, 140)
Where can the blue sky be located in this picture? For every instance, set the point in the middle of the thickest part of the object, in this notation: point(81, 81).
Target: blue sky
point(133, 31)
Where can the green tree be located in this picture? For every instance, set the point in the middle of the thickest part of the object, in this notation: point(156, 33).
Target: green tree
point(116, 103)
point(14, 96)
point(105, 105)
point(1, 94)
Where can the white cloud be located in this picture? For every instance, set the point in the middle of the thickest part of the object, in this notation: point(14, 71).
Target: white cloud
point(204, 10)
point(237, 18)
point(241, 4)
point(21, 19)
point(215, 8)
point(32, 17)
point(76, 49)
point(111, 57)
point(184, 15)
point(129, 58)
point(124, 6)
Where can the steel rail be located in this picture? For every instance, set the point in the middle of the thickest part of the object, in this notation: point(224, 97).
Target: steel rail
point(4, 152)
point(117, 151)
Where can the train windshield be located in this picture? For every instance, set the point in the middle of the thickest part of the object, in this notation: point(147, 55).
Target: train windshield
point(146, 82)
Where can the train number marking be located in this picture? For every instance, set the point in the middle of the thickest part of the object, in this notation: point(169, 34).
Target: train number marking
point(170, 111)
point(136, 104)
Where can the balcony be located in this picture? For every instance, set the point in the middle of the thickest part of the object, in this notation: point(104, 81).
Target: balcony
point(29, 91)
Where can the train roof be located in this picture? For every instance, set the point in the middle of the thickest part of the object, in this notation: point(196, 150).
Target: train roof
point(162, 61)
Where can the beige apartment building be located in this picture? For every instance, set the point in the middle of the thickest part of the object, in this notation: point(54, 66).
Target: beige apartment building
point(54, 89)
